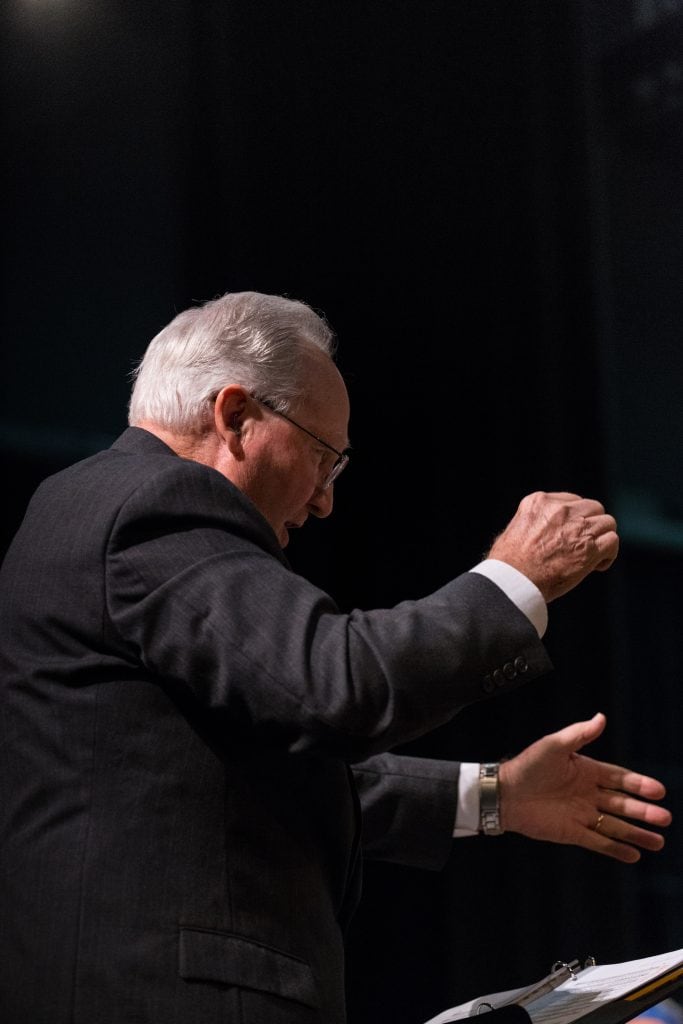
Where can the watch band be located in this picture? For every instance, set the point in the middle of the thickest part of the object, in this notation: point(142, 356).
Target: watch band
point(489, 800)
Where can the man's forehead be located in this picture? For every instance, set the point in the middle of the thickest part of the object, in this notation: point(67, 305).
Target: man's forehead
point(326, 397)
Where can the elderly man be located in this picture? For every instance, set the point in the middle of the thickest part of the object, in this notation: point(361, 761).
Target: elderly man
point(191, 731)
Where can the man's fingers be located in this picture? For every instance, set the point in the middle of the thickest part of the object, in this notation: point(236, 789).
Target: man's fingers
point(581, 506)
point(603, 530)
point(618, 851)
point(609, 830)
point(626, 781)
point(564, 496)
point(601, 525)
point(624, 806)
point(614, 832)
point(620, 840)
point(609, 847)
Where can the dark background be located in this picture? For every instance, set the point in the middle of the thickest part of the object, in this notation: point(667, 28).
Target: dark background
point(484, 198)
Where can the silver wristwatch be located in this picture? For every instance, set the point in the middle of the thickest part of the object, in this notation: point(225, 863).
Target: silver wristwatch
point(489, 800)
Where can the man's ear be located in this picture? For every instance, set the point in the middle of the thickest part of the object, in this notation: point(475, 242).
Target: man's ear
point(229, 411)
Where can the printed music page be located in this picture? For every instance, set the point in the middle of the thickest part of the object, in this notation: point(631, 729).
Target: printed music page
point(586, 991)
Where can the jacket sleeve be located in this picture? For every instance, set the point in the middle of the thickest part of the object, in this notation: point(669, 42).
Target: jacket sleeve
point(197, 595)
point(408, 809)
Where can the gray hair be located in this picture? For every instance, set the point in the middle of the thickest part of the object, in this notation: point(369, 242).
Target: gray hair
point(244, 338)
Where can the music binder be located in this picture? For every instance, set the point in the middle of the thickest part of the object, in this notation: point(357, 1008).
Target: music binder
point(605, 994)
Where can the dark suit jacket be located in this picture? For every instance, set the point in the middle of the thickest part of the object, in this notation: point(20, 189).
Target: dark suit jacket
point(179, 829)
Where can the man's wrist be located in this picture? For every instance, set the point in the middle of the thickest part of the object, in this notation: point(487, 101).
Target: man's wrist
point(519, 588)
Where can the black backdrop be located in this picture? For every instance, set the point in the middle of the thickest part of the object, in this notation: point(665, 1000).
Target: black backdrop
point(483, 198)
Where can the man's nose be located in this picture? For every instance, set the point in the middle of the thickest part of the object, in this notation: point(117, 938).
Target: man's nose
point(321, 501)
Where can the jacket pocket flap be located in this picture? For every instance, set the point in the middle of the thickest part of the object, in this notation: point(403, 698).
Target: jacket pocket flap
point(234, 960)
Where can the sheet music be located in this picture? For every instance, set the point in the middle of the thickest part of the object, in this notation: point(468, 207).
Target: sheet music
point(475, 1007)
point(599, 985)
point(588, 990)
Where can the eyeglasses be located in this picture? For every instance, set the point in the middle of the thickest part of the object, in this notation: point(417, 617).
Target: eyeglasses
point(340, 462)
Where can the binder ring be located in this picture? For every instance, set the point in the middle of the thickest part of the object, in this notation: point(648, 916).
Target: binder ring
point(562, 965)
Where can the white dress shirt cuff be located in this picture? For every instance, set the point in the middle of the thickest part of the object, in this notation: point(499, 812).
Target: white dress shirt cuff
point(467, 814)
point(519, 589)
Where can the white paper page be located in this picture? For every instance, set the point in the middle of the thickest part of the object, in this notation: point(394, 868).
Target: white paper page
point(470, 1009)
point(596, 986)
point(590, 989)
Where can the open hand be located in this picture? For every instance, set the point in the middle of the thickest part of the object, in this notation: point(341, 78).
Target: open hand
point(552, 792)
